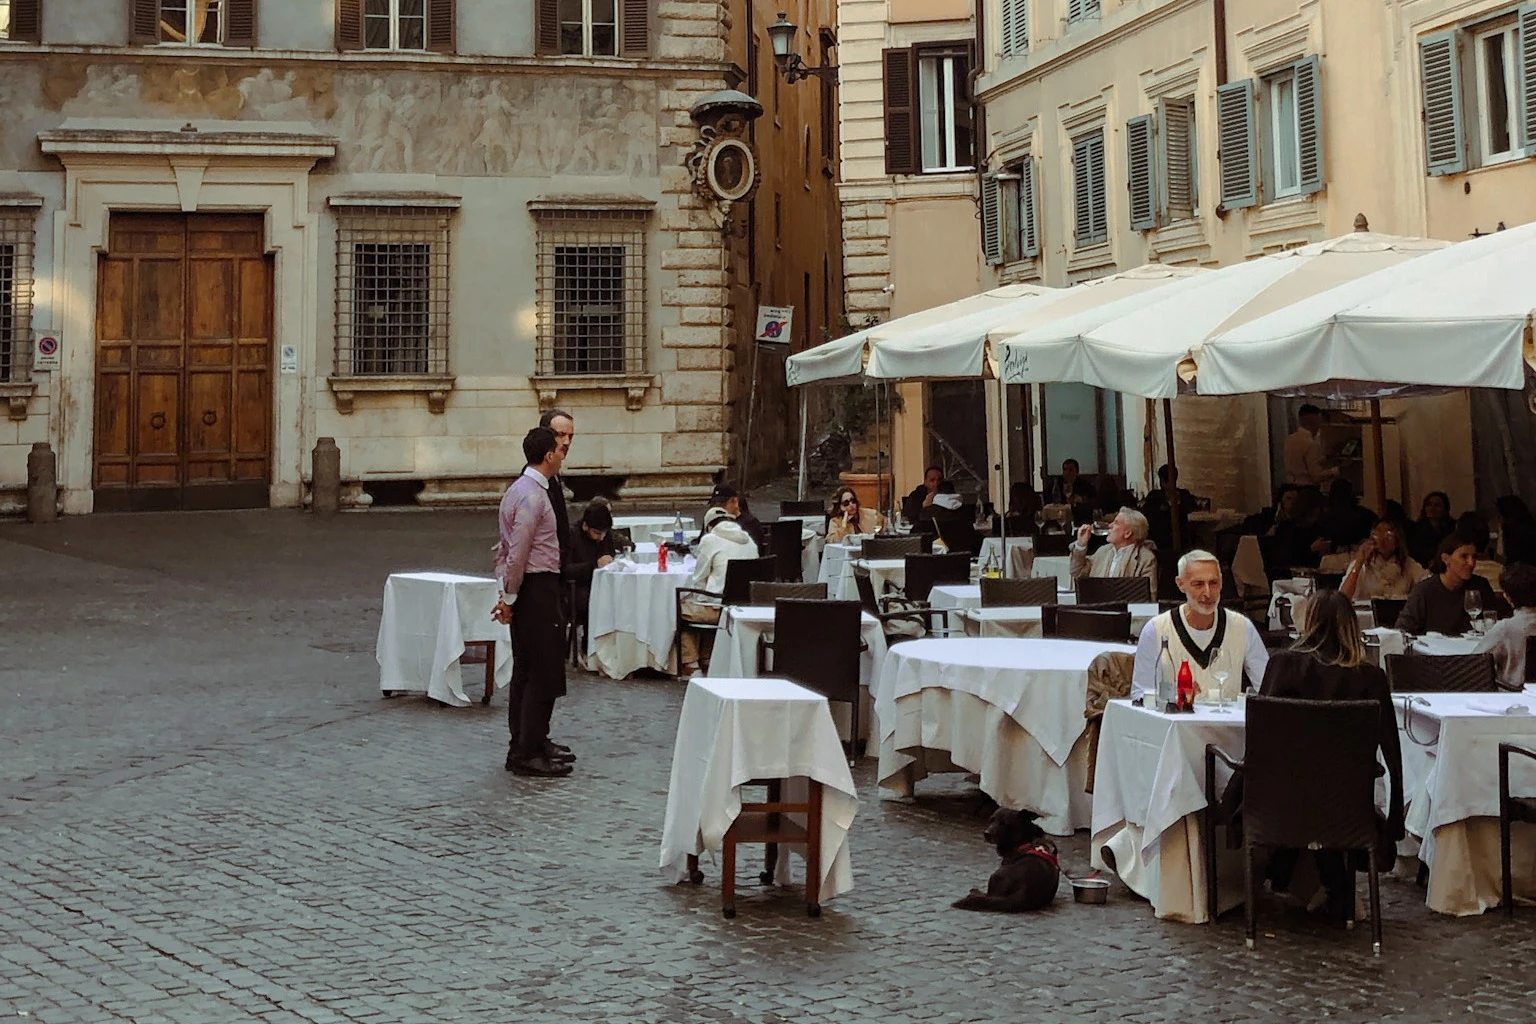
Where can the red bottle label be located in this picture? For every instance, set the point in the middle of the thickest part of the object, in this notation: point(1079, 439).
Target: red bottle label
point(1186, 687)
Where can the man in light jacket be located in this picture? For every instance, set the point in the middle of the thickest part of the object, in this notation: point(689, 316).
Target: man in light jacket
point(724, 540)
point(1127, 554)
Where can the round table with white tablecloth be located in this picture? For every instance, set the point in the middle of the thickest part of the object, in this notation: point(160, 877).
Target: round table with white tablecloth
point(1009, 710)
point(834, 569)
point(632, 618)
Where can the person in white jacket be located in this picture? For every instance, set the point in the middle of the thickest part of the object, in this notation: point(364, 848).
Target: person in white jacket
point(724, 540)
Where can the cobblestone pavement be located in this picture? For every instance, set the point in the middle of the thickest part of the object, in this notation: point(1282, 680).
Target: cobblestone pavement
point(207, 814)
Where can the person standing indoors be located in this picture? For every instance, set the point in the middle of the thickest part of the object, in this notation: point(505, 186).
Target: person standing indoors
point(1199, 631)
point(1128, 552)
point(848, 518)
point(1382, 566)
point(1438, 603)
point(528, 566)
point(1304, 451)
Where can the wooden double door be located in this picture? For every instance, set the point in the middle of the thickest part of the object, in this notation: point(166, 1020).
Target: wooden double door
point(183, 363)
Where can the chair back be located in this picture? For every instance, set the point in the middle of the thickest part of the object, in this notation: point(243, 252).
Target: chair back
point(1385, 611)
point(1530, 659)
point(924, 571)
point(1309, 773)
point(892, 547)
point(621, 538)
point(1328, 580)
point(1017, 593)
point(1073, 623)
point(1169, 605)
point(1441, 673)
point(866, 591)
point(784, 544)
point(1051, 544)
point(739, 576)
point(1226, 545)
point(816, 644)
point(802, 508)
point(761, 594)
point(959, 535)
point(1129, 589)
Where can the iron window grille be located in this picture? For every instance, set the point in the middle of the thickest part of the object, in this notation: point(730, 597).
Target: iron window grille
point(591, 291)
point(392, 290)
point(16, 245)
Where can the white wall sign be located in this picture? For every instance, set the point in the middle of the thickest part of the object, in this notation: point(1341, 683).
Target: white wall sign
point(45, 354)
point(288, 361)
point(774, 324)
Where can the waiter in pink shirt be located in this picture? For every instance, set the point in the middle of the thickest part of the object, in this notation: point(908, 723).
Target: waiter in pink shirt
point(528, 566)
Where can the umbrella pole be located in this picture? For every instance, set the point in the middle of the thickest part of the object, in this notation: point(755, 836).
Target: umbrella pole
point(1380, 457)
point(800, 489)
point(1173, 496)
point(1002, 474)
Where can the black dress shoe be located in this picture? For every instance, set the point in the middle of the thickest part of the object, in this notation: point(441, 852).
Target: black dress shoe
point(561, 747)
point(540, 767)
point(558, 754)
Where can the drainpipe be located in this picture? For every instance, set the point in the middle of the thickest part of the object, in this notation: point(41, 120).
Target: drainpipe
point(1219, 28)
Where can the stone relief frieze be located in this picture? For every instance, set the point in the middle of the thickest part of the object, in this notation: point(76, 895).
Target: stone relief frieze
point(431, 122)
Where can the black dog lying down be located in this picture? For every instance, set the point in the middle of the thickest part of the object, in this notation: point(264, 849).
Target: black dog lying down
point(1029, 875)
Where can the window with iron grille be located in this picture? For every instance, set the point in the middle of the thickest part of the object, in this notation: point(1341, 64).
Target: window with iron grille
point(15, 296)
point(591, 291)
point(392, 290)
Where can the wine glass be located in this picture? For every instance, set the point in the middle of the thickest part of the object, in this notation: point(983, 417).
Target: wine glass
point(1472, 601)
point(1219, 673)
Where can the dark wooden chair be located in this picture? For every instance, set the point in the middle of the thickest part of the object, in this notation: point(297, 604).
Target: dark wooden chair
point(739, 576)
point(820, 650)
point(1003, 593)
point(1511, 810)
point(924, 572)
point(622, 540)
point(785, 546)
point(1385, 610)
point(1129, 589)
point(960, 536)
point(1328, 580)
point(768, 821)
point(475, 652)
point(1309, 782)
point(892, 547)
point(1074, 623)
point(1048, 544)
point(1530, 659)
point(1441, 673)
point(761, 594)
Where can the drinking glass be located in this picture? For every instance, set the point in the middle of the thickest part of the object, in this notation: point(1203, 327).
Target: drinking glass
point(1472, 601)
point(1220, 675)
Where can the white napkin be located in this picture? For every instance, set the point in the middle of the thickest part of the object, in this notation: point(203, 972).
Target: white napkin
point(1495, 706)
point(1391, 640)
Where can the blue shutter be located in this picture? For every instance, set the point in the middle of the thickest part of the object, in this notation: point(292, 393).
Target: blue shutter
point(1140, 173)
point(1445, 142)
point(1309, 124)
point(1238, 145)
point(991, 228)
point(1525, 72)
point(1029, 230)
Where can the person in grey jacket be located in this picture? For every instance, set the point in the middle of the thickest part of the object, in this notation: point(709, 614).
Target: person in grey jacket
point(1506, 641)
point(1128, 552)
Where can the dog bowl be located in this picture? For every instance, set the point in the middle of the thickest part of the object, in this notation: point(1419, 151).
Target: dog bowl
point(1090, 890)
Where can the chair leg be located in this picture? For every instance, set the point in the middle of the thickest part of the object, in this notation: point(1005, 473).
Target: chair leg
point(853, 728)
point(813, 851)
point(1208, 838)
point(490, 672)
point(728, 876)
point(1251, 907)
point(771, 850)
point(1349, 889)
point(1375, 887)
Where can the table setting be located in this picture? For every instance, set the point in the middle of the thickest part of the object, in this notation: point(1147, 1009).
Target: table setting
point(632, 617)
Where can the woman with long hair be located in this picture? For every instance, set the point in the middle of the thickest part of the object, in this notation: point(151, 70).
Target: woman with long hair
point(1434, 524)
point(1382, 566)
point(848, 518)
point(1437, 604)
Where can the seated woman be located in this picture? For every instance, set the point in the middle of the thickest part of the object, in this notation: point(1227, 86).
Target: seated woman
point(724, 540)
point(1438, 603)
point(1382, 566)
point(1433, 526)
point(1506, 641)
point(849, 518)
point(1327, 662)
point(591, 548)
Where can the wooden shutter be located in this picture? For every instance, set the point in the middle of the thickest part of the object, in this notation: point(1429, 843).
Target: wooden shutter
point(1238, 150)
point(991, 228)
point(1015, 27)
point(1029, 231)
point(143, 22)
point(240, 23)
point(1176, 164)
point(349, 24)
point(635, 16)
point(1089, 202)
point(1309, 123)
point(1444, 134)
point(1140, 173)
point(901, 149)
point(442, 18)
point(1525, 74)
point(26, 21)
point(546, 30)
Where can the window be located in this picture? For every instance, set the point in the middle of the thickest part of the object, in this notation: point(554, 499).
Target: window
point(1089, 200)
point(597, 28)
point(1010, 229)
point(1077, 10)
point(194, 22)
point(1498, 131)
point(929, 116)
point(1496, 81)
point(392, 290)
point(21, 20)
point(1014, 27)
point(15, 294)
point(1284, 155)
point(1280, 153)
point(395, 25)
point(591, 265)
point(589, 27)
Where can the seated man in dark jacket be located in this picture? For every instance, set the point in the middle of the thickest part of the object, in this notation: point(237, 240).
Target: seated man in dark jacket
point(592, 548)
point(944, 508)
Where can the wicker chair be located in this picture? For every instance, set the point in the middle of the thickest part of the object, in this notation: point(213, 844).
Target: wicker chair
point(1017, 593)
point(821, 650)
point(1441, 673)
point(1511, 809)
point(764, 594)
point(1130, 589)
point(1072, 623)
point(924, 572)
point(960, 536)
point(1385, 610)
point(893, 547)
point(785, 545)
point(879, 608)
point(739, 576)
point(1048, 544)
point(1309, 782)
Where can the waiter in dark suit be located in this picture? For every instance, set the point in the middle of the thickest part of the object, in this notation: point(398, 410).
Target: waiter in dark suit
point(528, 566)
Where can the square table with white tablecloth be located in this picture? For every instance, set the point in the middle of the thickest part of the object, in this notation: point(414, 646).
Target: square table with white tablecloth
point(1009, 710)
point(732, 731)
point(835, 571)
point(632, 618)
point(427, 618)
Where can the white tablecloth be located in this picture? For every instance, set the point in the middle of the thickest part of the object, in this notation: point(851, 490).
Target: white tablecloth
point(640, 527)
point(882, 572)
point(1059, 566)
point(734, 730)
point(632, 619)
point(1009, 710)
point(1025, 621)
point(426, 620)
point(834, 571)
point(1435, 643)
point(1021, 554)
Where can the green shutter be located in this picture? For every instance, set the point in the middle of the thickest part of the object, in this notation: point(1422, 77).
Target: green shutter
point(991, 229)
point(1238, 145)
point(1029, 230)
point(1140, 173)
point(1176, 165)
point(1525, 71)
point(1444, 134)
point(1309, 124)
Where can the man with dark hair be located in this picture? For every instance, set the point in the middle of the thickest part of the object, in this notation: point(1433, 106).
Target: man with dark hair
point(592, 548)
point(528, 566)
point(922, 494)
point(1157, 506)
point(1507, 641)
point(1069, 488)
point(1304, 451)
point(945, 509)
point(564, 426)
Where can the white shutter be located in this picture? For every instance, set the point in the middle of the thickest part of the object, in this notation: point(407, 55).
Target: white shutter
point(1140, 179)
point(1238, 145)
point(1309, 123)
point(991, 229)
point(1029, 231)
point(1444, 133)
point(1525, 72)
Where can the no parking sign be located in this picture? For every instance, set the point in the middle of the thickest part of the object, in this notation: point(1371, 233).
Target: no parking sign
point(45, 355)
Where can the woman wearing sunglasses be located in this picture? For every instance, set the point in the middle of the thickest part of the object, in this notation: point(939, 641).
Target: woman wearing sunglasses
point(848, 518)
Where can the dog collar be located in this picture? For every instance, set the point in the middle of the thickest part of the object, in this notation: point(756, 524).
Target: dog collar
point(1032, 849)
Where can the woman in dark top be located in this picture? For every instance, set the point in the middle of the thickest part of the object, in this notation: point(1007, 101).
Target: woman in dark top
point(1438, 603)
point(1327, 662)
point(1433, 526)
point(592, 548)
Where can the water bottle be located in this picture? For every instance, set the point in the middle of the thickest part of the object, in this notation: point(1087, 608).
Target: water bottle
point(1167, 695)
point(677, 529)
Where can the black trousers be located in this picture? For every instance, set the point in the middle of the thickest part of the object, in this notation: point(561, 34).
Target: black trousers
point(538, 662)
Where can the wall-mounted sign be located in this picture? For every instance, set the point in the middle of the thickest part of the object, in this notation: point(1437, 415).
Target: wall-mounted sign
point(288, 359)
point(774, 324)
point(45, 354)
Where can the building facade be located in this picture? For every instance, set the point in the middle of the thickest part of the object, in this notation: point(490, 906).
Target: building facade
point(230, 228)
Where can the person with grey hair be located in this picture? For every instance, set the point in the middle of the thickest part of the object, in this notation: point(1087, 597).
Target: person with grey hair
point(1127, 554)
point(1200, 631)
